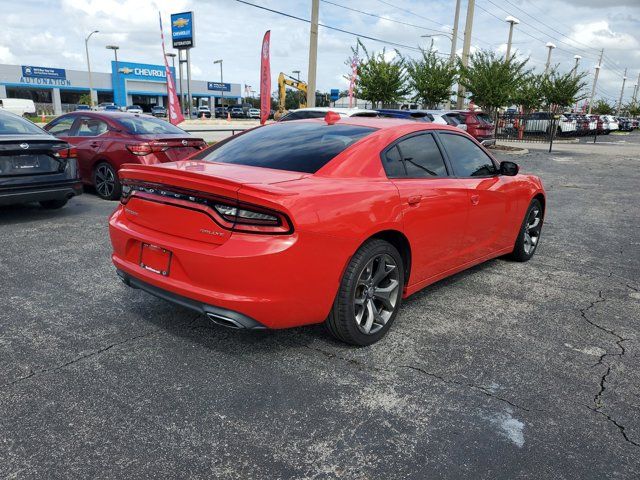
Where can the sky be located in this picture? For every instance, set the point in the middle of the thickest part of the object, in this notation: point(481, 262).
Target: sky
point(51, 33)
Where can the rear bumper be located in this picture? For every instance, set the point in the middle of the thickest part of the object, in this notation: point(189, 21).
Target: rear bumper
point(39, 193)
point(488, 141)
point(220, 316)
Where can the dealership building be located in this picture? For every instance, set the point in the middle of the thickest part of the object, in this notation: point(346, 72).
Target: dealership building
point(58, 90)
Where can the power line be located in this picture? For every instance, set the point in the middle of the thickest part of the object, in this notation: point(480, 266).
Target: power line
point(387, 42)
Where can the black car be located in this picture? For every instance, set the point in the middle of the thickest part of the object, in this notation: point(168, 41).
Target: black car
point(237, 112)
point(625, 124)
point(35, 166)
point(158, 111)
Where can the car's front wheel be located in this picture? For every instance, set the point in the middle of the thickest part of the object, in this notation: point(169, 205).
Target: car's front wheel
point(106, 181)
point(529, 235)
point(370, 295)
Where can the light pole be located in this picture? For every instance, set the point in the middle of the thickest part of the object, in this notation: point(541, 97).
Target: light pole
point(511, 21)
point(466, 48)
point(86, 49)
point(221, 84)
point(624, 80)
point(172, 56)
point(115, 52)
point(297, 72)
point(575, 68)
point(431, 35)
point(595, 80)
point(313, 54)
point(550, 46)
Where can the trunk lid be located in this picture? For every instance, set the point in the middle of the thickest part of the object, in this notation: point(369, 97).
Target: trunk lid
point(174, 147)
point(39, 155)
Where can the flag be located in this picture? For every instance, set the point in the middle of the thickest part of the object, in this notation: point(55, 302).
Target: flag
point(352, 82)
point(265, 79)
point(173, 110)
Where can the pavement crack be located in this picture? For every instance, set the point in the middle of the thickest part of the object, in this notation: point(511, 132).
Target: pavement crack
point(34, 373)
point(620, 427)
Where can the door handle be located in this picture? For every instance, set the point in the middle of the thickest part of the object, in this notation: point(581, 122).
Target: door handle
point(414, 199)
point(475, 199)
point(95, 144)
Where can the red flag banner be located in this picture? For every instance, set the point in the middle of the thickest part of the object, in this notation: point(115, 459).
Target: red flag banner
point(173, 105)
point(265, 79)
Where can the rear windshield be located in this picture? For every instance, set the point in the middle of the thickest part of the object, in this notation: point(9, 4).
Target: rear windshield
point(148, 125)
point(484, 118)
point(14, 125)
point(299, 147)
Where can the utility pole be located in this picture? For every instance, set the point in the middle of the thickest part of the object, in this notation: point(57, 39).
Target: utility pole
point(180, 62)
point(624, 80)
point(595, 80)
point(86, 49)
point(575, 68)
point(466, 46)
point(454, 39)
point(511, 21)
point(313, 54)
point(635, 91)
point(550, 46)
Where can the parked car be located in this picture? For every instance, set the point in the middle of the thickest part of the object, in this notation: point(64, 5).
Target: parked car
point(134, 109)
point(105, 141)
point(82, 108)
point(253, 113)
point(237, 112)
point(221, 112)
point(405, 114)
point(479, 125)
point(320, 112)
point(202, 111)
point(159, 111)
point(612, 121)
point(34, 165)
point(447, 117)
point(19, 106)
point(103, 106)
point(328, 220)
point(111, 108)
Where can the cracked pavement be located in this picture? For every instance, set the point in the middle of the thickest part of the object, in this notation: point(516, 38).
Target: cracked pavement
point(507, 370)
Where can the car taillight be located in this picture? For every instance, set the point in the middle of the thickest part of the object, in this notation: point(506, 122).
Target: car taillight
point(67, 152)
point(245, 216)
point(147, 148)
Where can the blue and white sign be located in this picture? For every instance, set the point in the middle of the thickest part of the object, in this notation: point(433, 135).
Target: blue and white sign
point(44, 76)
point(335, 94)
point(220, 87)
point(127, 75)
point(182, 32)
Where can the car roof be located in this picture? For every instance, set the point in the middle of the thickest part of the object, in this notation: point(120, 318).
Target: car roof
point(382, 123)
point(105, 114)
point(341, 110)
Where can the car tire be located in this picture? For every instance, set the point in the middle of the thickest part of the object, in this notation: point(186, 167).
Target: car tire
point(369, 296)
point(529, 233)
point(54, 204)
point(106, 182)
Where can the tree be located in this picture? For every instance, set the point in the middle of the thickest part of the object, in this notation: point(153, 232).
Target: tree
point(492, 80)
point(381, 80)
point(561, 90)
point(602, 107)
point(528, 94)
point(633, 109)
point(84, 99)
point(431, 77)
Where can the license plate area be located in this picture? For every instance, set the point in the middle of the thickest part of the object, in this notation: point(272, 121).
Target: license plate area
point(155, 259)
point(25, 162)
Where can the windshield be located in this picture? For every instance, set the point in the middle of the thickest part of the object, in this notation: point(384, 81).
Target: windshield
point(484, 118)
point(14, 125)
point(295, 146)
point(148, 125)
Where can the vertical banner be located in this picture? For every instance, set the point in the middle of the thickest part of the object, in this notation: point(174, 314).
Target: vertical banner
point(352, 82)
point(265, 79)
point(173, 107)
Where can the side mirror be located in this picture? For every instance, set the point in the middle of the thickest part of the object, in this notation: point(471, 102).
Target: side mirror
point(510, 169)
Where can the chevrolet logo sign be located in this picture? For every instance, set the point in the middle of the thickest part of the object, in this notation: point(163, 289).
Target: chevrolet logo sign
point(125, 70)
point(181, 22)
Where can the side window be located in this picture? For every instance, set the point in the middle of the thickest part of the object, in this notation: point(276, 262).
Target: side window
point(62, 126)
point(467, 159)
point(392, 163)
point(421, 157)
point(91, 127)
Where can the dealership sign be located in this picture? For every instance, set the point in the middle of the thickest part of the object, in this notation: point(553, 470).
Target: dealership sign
point(220, 87)
point(141, 71)
point(44, 76)
point(182, 33)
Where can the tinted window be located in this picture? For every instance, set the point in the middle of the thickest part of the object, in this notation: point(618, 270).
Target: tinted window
point(12, 125)
point(392, 162)
point(148, 125)
point(422, 157)
point(467, 159)
point(61, 126)
point(91, 127)
point(299, 147)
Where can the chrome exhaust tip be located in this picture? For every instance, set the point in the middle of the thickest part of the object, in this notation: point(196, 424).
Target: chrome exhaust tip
point(224, 321)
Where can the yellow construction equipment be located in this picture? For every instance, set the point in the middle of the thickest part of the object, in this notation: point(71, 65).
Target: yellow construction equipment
point(288, 81)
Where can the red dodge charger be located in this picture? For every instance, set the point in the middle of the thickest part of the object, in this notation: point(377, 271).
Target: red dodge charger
point(326, 220)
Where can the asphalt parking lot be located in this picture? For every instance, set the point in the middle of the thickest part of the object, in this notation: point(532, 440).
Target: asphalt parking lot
point(505, 371)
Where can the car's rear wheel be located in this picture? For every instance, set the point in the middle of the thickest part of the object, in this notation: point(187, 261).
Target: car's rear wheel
point(370, 295)
point(54, 204)
point(529, 235)
point(106, 181)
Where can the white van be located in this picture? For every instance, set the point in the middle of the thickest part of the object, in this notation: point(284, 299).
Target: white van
point(19, 106)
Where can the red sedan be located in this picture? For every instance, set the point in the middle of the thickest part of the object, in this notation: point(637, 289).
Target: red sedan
point(106, 141)
point(333, 220)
